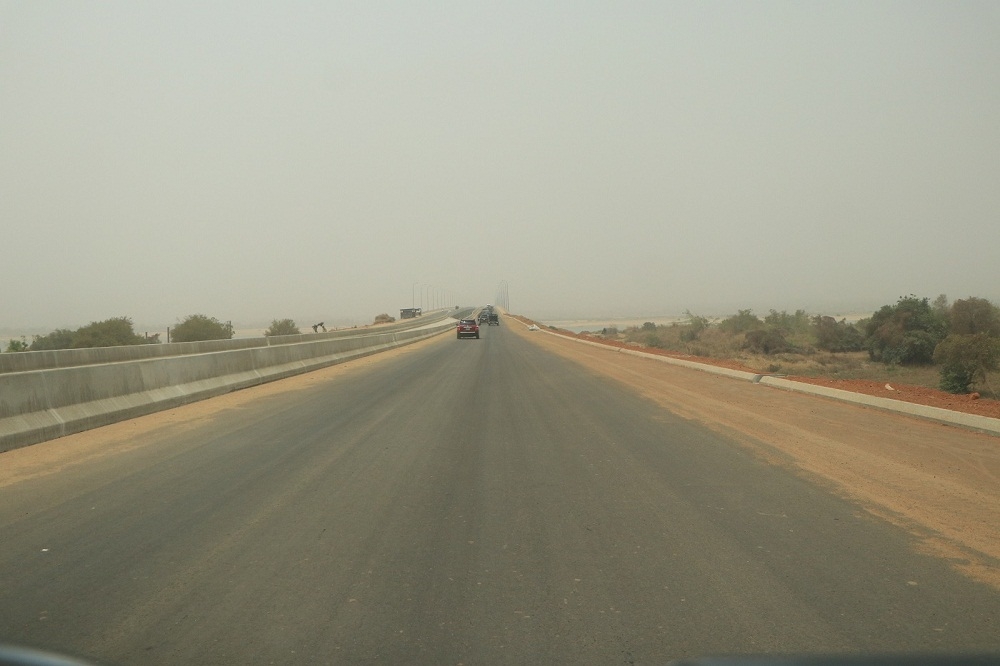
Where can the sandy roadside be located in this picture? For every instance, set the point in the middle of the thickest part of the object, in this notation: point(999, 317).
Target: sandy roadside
point(941, 483)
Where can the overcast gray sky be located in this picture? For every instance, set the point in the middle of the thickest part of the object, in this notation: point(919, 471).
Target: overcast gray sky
point(253, 161)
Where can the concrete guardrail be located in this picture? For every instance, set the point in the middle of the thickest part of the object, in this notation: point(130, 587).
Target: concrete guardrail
point(42, 404)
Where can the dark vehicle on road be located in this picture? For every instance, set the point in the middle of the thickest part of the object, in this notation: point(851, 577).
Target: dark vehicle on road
point(493, 319)
point(467, 328)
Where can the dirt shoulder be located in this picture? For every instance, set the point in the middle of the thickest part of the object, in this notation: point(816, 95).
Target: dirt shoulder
point(940, 483)
point(920, 395)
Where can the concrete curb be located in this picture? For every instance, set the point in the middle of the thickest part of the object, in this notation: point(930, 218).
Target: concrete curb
point(972, 421)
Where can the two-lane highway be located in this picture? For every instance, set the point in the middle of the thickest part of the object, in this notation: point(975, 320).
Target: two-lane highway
point(464, 501)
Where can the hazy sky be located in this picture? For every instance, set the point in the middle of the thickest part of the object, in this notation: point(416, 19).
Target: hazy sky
point(253, 161)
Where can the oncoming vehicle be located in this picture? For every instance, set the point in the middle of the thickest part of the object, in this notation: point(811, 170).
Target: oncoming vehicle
point(467, 328)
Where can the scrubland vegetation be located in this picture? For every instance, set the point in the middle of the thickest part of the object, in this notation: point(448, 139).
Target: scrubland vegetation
point(114, 332)
point(952, 346)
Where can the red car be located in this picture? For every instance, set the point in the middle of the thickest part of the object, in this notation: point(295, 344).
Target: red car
point(468, 328)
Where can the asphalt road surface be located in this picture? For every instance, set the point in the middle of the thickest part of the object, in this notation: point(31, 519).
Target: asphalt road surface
point(464, 502)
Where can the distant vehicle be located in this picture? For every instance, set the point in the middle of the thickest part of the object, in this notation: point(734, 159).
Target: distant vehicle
point(410, 313)
point(467, 328)
point(493, 319)
point(484, 317)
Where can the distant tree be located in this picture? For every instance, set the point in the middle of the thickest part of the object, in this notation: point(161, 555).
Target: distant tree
point(905, 333)
point(648, 326)
point(18, 345)
point(282, 327)
point(61, 338)
point(970, 316)
point(113, 332)
point(201, 327)
point(384, 318)
point(966, 359)
point(940, 305)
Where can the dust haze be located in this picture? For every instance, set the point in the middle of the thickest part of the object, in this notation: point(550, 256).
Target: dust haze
point(332, 161)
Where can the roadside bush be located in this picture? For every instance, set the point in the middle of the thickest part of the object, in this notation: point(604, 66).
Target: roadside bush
point(282, 327)
point(956, 379)
point(384, 319)
point(199, 327)
point(653, 340)
point(765, 341)
point(970, 316)
point(836, 336)
point(905, 333)
point(965, 360)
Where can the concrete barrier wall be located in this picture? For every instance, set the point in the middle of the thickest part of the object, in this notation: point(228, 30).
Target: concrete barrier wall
point(44, 404)
point(64, 358)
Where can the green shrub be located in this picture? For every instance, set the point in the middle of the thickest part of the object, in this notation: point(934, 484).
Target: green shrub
point(653, 340)
point(966, 359)
point(974, 315)
point(282, 327)
point(836, 336)
point(765, 341)
point(741, 322)
point(956, 379)
point(18, 345)
point(199, 327)
point(114, 332)
point(905, 333)
point(109, 333)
